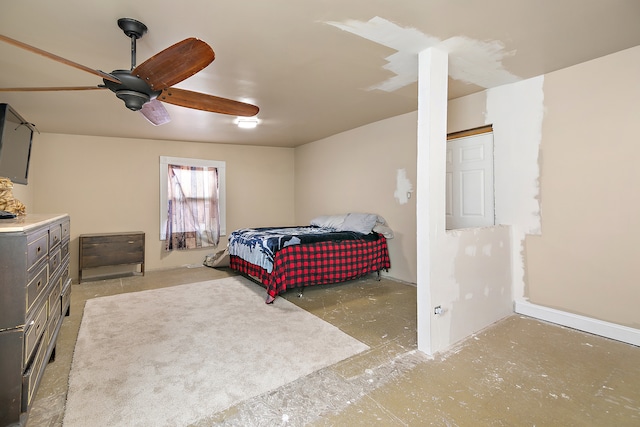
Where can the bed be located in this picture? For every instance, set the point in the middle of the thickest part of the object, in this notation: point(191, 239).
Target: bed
point(331, 249)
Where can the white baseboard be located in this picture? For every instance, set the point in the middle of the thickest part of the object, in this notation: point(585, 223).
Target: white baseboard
point(582, 323)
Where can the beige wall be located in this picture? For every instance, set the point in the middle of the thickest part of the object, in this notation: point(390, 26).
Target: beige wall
point(112, 184)
point(585, 261)
point(579, 258)
point(356, 171)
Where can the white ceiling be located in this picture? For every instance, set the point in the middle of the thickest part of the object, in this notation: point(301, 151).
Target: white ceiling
point(314, 67)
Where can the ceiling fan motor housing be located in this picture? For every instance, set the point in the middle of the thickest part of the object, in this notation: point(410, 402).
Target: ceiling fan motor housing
point(134, 91)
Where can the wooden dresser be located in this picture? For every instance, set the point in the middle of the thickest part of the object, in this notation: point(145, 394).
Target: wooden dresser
point(110, 249)
point(35, 292)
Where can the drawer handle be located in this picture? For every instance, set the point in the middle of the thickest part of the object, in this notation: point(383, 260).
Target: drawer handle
point(39, 249)
point(39, 284)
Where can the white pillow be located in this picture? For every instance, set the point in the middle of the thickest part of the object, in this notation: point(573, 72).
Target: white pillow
point(359, 222)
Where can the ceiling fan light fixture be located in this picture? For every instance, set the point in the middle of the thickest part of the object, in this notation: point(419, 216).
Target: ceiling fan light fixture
point(247, 122)
point(132, 99)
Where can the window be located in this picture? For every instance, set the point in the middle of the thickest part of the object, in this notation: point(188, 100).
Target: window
point(192, 202)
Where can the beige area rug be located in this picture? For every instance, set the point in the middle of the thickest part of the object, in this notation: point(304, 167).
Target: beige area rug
point(173, 356)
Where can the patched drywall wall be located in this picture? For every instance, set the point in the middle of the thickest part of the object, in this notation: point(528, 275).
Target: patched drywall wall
point(516, 112)
point(403, 187)
point(430, 198)
point(471, 281)
point(464, 276)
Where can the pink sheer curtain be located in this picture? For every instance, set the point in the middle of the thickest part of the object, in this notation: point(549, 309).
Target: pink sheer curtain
point(193, 216)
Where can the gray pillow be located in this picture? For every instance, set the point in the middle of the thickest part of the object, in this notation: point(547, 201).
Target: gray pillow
point(329, 221)
point(359, 222)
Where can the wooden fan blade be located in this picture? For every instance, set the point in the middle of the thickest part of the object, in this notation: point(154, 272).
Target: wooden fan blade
point(57, 58)
point(175, 63)
point(155, 112)
point(48, 89)
point(201, 101)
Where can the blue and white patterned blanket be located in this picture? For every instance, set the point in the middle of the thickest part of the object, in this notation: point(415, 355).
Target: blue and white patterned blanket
point(259, 245)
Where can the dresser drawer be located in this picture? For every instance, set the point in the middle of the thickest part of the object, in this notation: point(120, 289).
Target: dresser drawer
point(55, 235)
point(34, 331)
point(66, 230)
point(55, 259)
point(32, 375)
point(54, 297)
point(65, 270)
point(54, 318)
point(37, 284)
point(37, 248)
point(64, 249)
point(66, 295)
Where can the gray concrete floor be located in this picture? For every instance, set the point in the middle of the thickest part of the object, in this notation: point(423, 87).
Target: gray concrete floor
point(518, 372)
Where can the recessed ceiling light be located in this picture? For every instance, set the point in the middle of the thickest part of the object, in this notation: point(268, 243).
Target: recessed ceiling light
point(247, 122)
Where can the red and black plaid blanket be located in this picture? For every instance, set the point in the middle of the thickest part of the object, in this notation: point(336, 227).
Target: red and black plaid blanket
point(318, 264)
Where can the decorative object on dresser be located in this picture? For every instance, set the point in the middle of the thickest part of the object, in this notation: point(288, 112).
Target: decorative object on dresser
point(35, 290)
point(111, 249)
point(9, 203)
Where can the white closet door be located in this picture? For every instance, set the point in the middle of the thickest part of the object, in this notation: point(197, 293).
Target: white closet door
point(470, 194)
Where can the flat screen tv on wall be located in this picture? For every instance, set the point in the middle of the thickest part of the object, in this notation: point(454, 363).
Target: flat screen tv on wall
point(16, 135)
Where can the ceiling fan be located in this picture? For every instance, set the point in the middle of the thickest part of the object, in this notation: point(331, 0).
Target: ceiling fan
point(145, 87)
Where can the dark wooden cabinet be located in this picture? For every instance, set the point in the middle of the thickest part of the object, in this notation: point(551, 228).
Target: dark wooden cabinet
point(110, 249)
point(35, 292)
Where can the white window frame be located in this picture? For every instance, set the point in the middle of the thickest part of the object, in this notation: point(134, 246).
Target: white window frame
point(165, 161)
